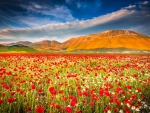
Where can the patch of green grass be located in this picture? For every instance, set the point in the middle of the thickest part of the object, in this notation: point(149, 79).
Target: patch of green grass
point(4, 49)
point(17, 49)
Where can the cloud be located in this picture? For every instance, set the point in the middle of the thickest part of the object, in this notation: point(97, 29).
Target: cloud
point(126, 18)
point(47, 38)
point(145, 2)
point(145, 6)
point(33, 13)
point(57, 11)
point(36, 6)
point(33, 22)
point(130, 7)
point(63, 28)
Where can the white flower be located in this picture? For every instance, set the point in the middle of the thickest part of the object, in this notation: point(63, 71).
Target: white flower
point(113, 92)
point(128, 104)
point(145, 106)
point(137, 109)
point(133, 107)
point(121, 111)
point(108, 111)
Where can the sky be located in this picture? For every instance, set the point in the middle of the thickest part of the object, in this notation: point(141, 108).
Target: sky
point(36, 20)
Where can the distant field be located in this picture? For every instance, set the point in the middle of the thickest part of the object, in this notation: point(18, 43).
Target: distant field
point(17, 49)
point(74, 83)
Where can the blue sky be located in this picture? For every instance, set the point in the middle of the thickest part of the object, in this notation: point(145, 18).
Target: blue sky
point(35, 20)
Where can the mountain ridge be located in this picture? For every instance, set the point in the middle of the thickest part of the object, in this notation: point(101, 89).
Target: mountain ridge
point(46, 44)
point(107, 39)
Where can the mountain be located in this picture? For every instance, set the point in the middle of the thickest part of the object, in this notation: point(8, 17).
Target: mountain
point(25, 43)
point(11, 44)
point(110, 39)
point(46, 45)
point(1, 45)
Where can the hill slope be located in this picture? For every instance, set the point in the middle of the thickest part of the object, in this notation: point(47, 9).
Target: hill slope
point(109, 39)
point(25, 43)
point(17, 48)
point(46, 45)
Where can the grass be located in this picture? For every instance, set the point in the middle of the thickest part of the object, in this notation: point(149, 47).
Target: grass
point(17, 49)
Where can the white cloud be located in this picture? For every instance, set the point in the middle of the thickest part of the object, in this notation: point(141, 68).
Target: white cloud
point(130, 7)
point(53, 15)
point(36, 6)
point(35, 21)
point(145, 2)
point(58, 12)
point(47, 38)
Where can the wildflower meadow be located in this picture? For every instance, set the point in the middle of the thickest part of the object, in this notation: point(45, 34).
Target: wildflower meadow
point(74, 83)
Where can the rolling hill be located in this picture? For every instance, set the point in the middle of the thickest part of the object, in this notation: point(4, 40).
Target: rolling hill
point(17, 48)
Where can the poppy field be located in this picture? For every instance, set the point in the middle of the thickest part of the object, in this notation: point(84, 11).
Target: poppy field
point(74, 83)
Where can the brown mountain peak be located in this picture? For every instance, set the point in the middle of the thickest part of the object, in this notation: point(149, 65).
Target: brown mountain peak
point(46, 45)
point(109, 39)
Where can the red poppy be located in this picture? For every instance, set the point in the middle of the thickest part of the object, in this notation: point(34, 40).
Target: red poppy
point(40, 91)
point(116, 110)
point(60, 91)
point(33, 87)
point(52, 90)
point(85, 93)
point(79, 93)
point(107, 108)
point(57, 106)
point(127, 110)
point(118, 89)
point(3, 95)
point(73, 98)
point(1, 101)
point(52, 104)
point(21, 92)
point(11, 100)
point(29, 109)
point(91, 103)
point(68, 109)
point(129, 87)
point(101, 92)
point(127, 101)
point(64, 98)
point(39, 109)
point(96, 74)
point(73, 103)
point(118, 103)
point(107, 93)
point(12, 93)
point(138, 89)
